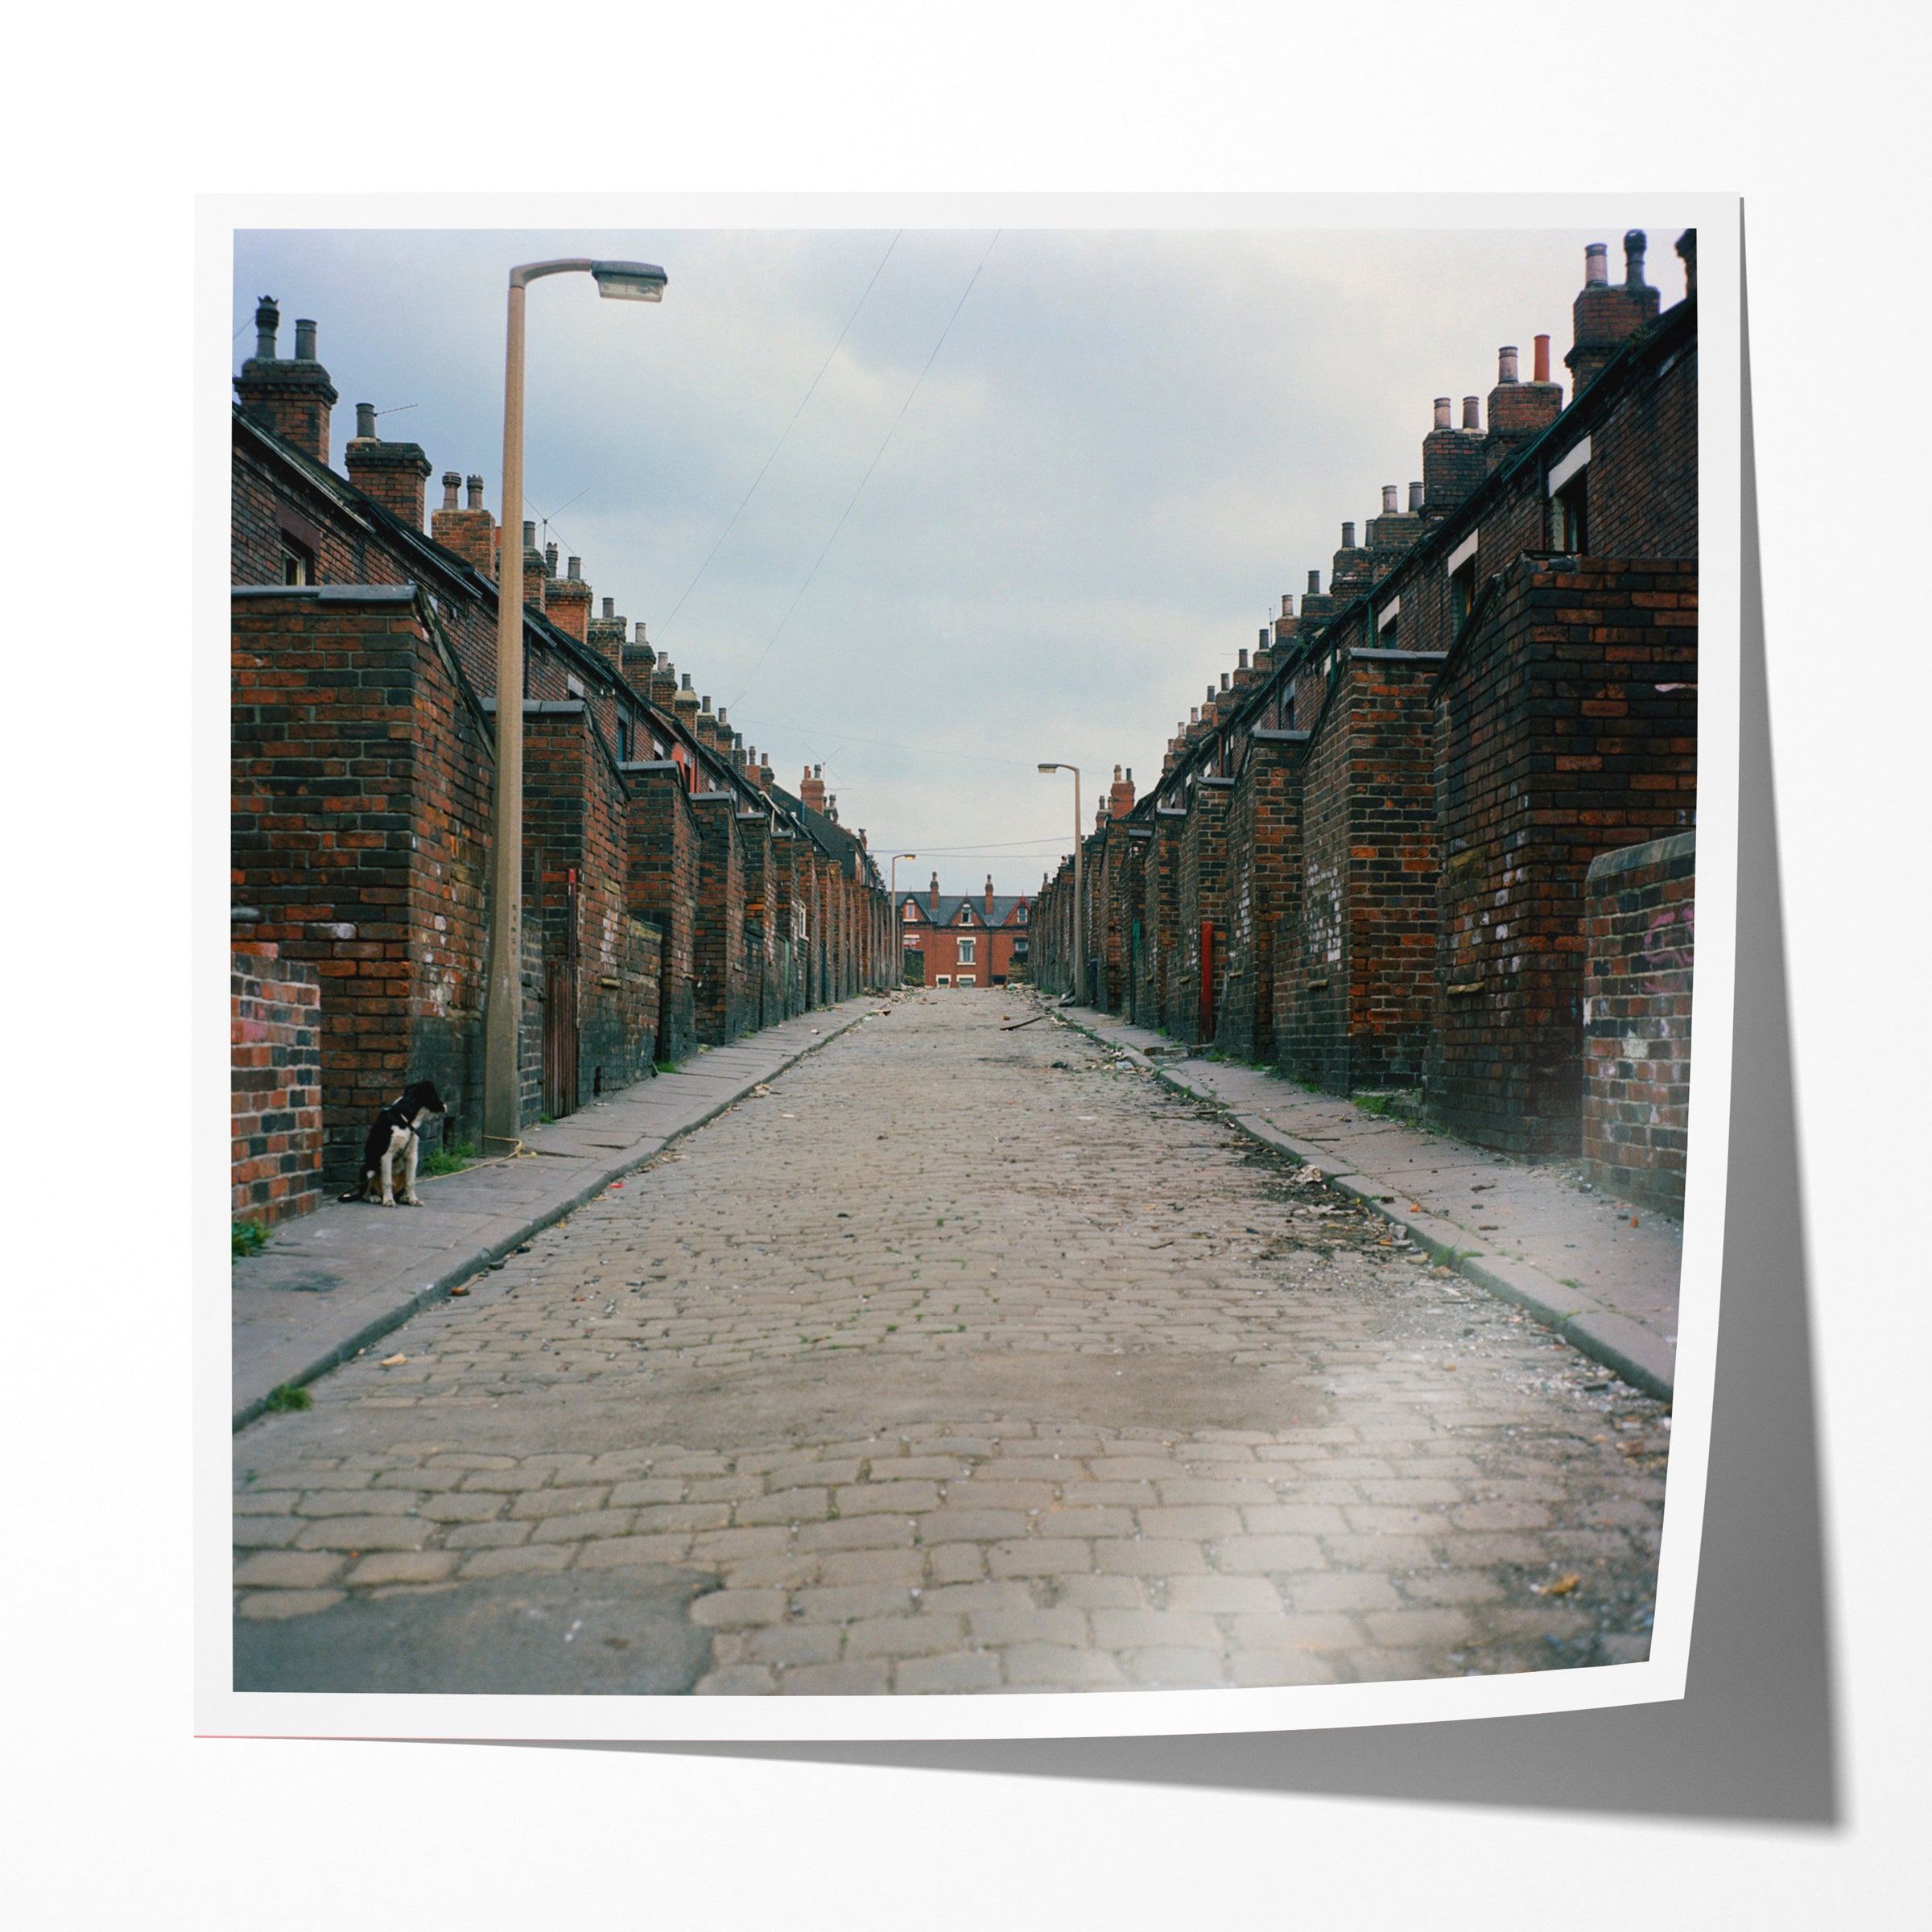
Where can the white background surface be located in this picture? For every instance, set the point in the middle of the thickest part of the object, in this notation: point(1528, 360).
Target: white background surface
point(122, 1816)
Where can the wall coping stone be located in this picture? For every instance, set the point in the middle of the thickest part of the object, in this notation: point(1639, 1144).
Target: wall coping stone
point(1653, 851)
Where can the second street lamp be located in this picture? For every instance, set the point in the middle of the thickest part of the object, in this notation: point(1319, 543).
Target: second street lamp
point(1080, 916)
point(502, 1112)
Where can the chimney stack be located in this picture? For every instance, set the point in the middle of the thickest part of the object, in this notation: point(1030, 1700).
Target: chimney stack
point(932, 894)
point(663, 683)
point(990, 898)
point(812, 789)
point(393, 473)
point(470, 532)
point(1517, 410)
point(606, 636)
point(1687, 250)
point(637, 659)
point(290, 399)
point(1604, 317)
point(684, 705)
point(566, 599)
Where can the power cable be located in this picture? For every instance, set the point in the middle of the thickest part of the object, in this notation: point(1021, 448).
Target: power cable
point(870, 468)
point(760, 477)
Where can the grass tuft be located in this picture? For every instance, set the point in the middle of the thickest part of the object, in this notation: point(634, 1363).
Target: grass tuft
point(245, 1238)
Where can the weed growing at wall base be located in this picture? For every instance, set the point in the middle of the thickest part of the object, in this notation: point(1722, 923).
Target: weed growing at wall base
point(245, 1238)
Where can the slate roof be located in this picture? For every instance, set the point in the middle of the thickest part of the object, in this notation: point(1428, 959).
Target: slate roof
point(948, 913)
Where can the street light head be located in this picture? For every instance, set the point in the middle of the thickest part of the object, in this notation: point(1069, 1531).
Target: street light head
point(1050, 768)
point(630, 281)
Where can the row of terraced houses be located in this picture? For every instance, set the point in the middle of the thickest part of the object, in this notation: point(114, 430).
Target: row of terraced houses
point(1434, 839)
point(675, 896)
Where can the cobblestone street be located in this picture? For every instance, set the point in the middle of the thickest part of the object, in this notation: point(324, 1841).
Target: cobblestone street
point(964, 1360)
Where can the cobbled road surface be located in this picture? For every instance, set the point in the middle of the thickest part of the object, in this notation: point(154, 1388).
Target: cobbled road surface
point(964, 1360)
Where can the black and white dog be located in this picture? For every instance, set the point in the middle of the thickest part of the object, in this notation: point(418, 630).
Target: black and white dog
point(398, 1131)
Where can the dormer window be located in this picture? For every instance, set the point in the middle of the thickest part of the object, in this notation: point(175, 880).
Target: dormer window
point(912, 909)
point(965, 915)
point(1022, 915)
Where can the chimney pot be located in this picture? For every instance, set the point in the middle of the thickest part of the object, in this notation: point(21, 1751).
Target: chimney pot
point(530, 535)
point(1314, 586)
point(1130, 774)
point(1242, 662)
point(686, 685)
point(1348, 536)
point(610, 608)
point(1635, 243)
point(1415, 498)
point(365, 420)
point(641, 637)
point(451, 483)
point(1505, 364)
point(268, 319)
point(473, 485)
point(1287, 603)
point(1116, 774)
point(576, 567)
point(1472, 412)
point(550, 558)
point(1390, 505)
point(1596, 264)
point(1194, 714)
point(1369, 534)
point(1442, 412)
point(305, 330)
point(1686, 249)
point(1541, 364)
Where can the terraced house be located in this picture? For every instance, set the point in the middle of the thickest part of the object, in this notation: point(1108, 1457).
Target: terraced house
point(1435, 835)
point(964, 939)
point(674, 895)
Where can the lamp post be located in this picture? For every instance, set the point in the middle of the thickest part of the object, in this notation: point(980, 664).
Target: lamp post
point(898, 922)
point(502, 1016)
point(1080, 918)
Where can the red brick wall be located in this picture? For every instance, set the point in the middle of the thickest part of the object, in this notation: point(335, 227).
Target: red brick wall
point(275, 1087)
point(1310, 955)
point(1566, 726)
point(661, 884)
point(1200, 893)
point(1641, 909)
point(1264, 840)
point(360, 775)
point(1160, 919)
point(719, 941)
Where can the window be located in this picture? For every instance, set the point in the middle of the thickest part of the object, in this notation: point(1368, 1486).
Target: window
point(967, 979)
point(1462, 595)
point(298, 565)
point(1569, 516)
point(623, 740)
point(1569, 500)
point(965, 915)
point(1386, 624)
point(966, 946)
point(912, 909)
point(1022, 915)
point(945, 979)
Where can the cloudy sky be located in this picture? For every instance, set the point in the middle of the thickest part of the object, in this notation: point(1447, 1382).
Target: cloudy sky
point(1032, 489)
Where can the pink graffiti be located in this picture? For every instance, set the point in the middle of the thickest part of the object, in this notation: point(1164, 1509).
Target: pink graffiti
point(1668, 945)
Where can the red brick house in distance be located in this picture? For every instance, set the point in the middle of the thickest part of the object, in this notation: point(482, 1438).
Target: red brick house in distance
point(963, 941)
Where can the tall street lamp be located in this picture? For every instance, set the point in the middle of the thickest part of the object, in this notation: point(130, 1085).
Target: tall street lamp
point(898, 922)
point(1080, 918)
point(502, 1015)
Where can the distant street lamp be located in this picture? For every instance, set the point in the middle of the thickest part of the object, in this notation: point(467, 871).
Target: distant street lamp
point(898, 922)
point(1079, 921)
point(502, 1016)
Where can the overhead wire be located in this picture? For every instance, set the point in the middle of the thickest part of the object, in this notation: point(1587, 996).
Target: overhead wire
point(760, 477)
point(870, 467)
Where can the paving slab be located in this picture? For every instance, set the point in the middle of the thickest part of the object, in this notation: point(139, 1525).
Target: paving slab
point(329, 1285)
point(1601, 1271)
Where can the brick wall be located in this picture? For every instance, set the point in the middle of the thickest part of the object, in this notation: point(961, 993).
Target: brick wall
point(1311, 954)
point(1640, 909)
point(1160, 917)
point(661, 883)
point(275, 1086)
point(360, 774)
point(1200, 893)
point(720, 986)
point(1566, 726)
point(1264, 839)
